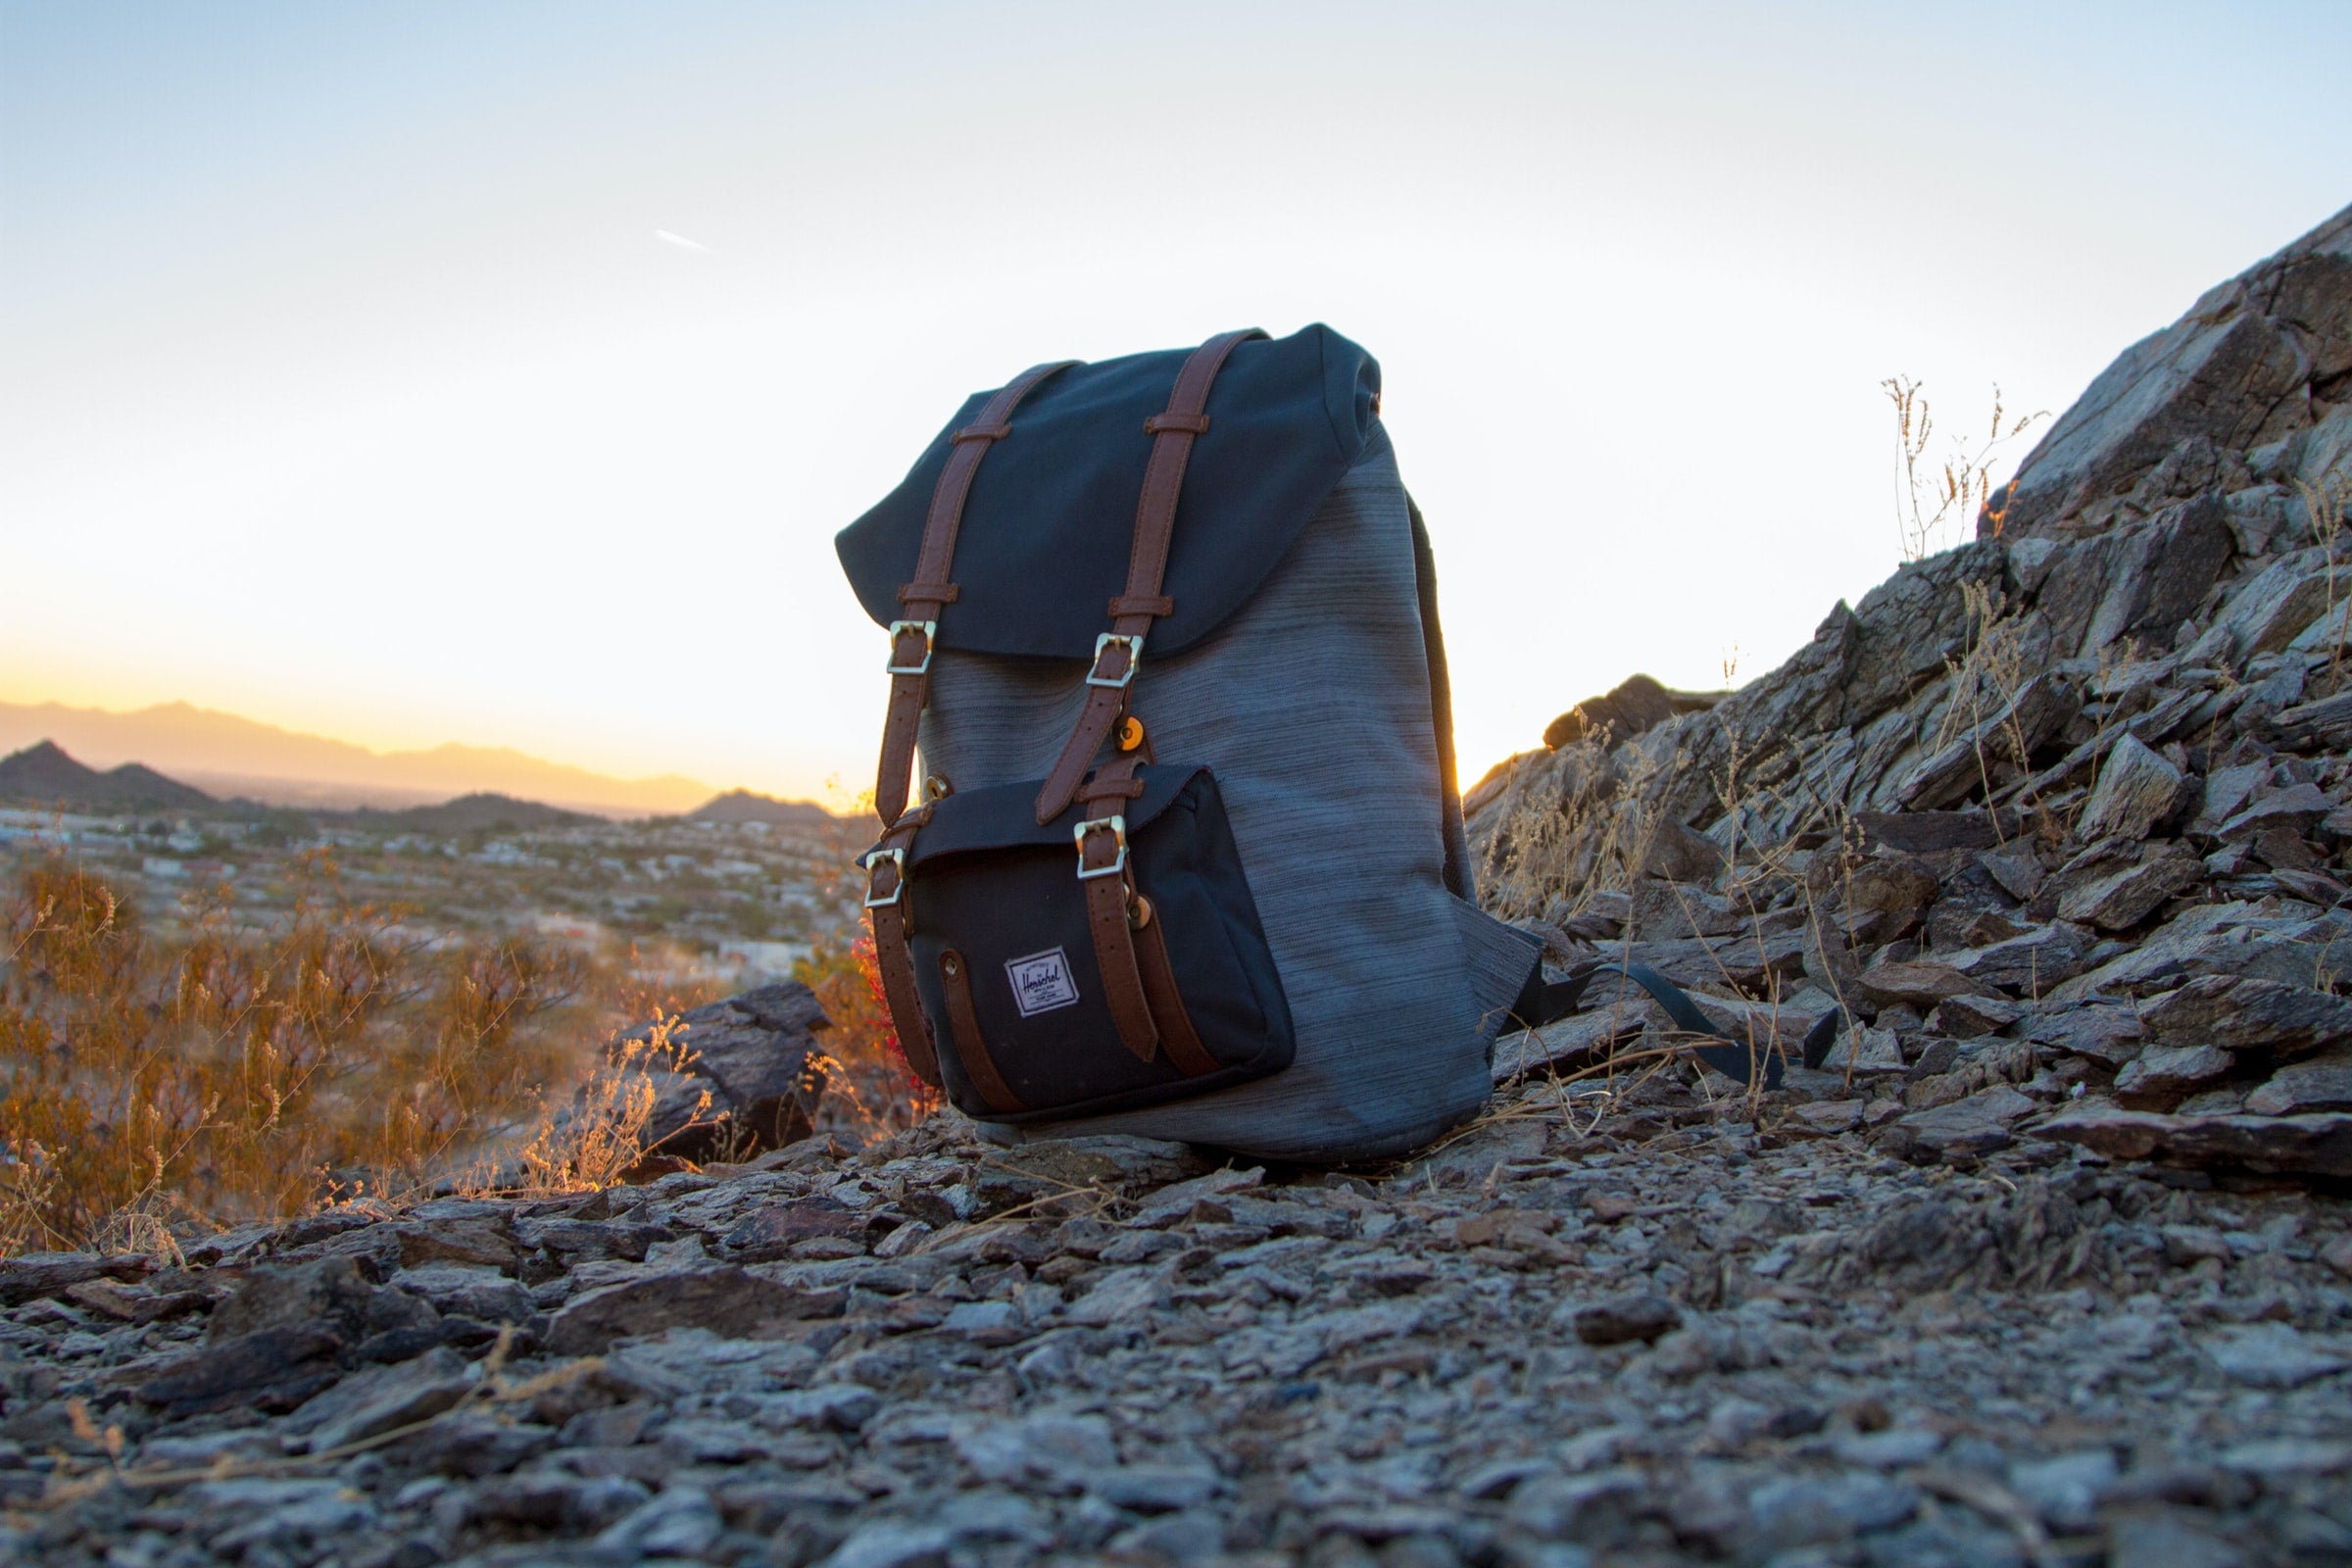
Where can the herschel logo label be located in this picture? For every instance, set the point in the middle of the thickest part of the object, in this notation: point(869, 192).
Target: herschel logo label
point(1041, 982)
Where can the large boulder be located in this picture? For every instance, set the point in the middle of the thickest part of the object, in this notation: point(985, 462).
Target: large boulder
point(755, 1055)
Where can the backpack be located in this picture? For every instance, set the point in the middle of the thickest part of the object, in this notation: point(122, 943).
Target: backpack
point(1188, 861)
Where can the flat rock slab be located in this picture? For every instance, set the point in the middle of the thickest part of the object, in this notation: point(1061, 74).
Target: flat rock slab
point(721, 1297)
point(2318, 1145)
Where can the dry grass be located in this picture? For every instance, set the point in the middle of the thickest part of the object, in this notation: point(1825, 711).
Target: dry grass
point(1576, 824)
point(2326, 503)
point(148, 1087)
point(604, 1137)
point(1935, 503)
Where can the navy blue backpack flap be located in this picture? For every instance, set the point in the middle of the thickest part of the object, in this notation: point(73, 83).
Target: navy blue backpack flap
point(1012, 972)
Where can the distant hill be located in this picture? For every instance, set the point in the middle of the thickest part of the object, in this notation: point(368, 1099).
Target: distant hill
point(742, 806)
point(285, 767)
point(469, 813)
point(43, 774)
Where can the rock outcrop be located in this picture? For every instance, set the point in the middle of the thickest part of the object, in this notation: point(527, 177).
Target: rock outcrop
point(2045, 819)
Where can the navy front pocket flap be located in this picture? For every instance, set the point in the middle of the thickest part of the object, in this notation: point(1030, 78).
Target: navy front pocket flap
point(1003, 817)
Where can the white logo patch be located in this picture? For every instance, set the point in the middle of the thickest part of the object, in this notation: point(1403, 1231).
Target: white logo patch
point(1041, 982)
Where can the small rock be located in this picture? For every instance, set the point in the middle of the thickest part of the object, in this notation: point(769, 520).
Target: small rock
point(893, 1543)
point(2161, 1074)
point(1974, 1125)
point(2167, 1541)
point(681, 1522)
point(2123, 899)
point(2281, 1458)
point(1062, 1452)
point(1895, 1449)
point(1154, 1488)
point(1968, 1016)
point(274, 1369)
point(1127, 1295)
point(1638, 1315)
point(2067, 1490)
point(2273, 1356)
point(381, 1399)
point(1799, 1512)
point(2305, 1086)
point(2247, 1013)
point(2137, 788)
point(2296, 810)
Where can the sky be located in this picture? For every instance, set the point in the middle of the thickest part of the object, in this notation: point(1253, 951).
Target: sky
point(501, 371)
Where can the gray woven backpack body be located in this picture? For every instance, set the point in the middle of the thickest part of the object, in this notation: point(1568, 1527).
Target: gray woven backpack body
point(1187, 861)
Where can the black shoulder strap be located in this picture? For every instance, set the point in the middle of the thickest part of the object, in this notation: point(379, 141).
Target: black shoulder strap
point(1548, 1001)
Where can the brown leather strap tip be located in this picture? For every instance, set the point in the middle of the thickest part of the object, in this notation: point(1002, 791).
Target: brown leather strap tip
point(1176, 1034)
point(971, 1047)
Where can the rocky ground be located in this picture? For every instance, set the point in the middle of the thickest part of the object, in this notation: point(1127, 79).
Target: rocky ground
point(1617, 1321)
point(2046, 1260)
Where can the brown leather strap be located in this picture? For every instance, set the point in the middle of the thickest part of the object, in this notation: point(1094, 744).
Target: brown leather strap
point(1100, 851)
point(913, 636)
point(971, 1047)
point(886, 917)
point(1176, 1035)
point(1114, 673)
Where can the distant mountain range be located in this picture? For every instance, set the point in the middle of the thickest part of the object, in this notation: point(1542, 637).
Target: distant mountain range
point(481, 811)
point(232, 756)
point(742, 806)
point(44, 775)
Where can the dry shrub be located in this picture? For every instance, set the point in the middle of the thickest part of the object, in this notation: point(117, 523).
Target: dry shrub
point(602, 1138)
point(242, 1073)
point(1931, 508)
point(870, 1090)
point(1570, 825)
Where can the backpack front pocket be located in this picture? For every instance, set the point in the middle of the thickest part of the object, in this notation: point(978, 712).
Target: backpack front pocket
point(1047, 997)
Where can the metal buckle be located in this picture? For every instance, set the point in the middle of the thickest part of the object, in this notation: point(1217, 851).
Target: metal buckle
point(929, 629)
point(1134, 658)
point(1118, 832)
point(873, 863)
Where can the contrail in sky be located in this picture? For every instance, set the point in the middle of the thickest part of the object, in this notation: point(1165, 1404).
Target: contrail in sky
point(680, 241)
